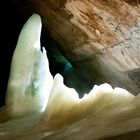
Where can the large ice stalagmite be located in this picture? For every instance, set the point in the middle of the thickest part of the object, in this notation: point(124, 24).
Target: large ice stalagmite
point(30, 80)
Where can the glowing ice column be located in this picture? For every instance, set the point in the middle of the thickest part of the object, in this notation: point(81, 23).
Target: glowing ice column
point(30, 80)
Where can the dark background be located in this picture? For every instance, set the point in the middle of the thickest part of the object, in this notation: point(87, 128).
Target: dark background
point(10, 24)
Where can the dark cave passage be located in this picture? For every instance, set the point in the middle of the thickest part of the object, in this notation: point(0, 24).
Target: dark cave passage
point(60, 64)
